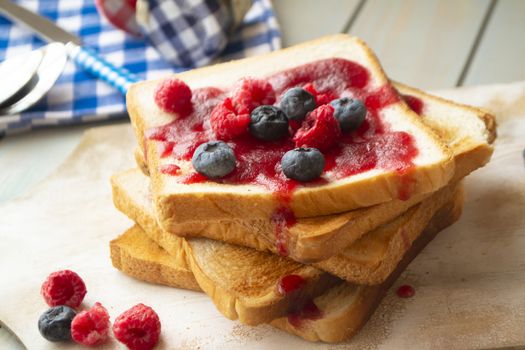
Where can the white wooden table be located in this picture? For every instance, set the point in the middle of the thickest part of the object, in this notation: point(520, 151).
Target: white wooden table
point(430, 44)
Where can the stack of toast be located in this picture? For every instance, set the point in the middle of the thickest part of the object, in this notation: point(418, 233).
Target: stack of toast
point(313, 259)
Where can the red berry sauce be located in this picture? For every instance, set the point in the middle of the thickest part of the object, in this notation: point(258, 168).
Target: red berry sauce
point(309, 311)
point(170, 169)
point(282, 218)
point(289, 284)
point(372, 146)
point(415, 103)
point(406, 291)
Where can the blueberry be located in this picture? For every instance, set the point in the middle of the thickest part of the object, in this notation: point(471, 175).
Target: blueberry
point(268, 123)
point(55, 323)
point(296, 102)
point(303, 164)
point(214, 159)
point(349, 113)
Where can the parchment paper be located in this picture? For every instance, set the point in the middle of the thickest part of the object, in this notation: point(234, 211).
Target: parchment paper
point(470, 281)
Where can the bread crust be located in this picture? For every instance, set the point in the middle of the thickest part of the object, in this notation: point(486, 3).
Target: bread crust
point(177, 203)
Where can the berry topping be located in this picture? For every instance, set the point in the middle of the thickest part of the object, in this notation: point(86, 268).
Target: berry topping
point(415, 104)
point(174, 96)
point(303, 164)
point(406, 291)
point(349, 113)
point(214, 159)
point(296, 102)
point(250, 93)
point(290, 283)
point(170, 169)
point(226, 123)
point(319, 130)
point(55, 323)
point(268, 123)
point(138, 328)
point(63, 288)
point(91, 327)
point(321, 98)
point(309, 311)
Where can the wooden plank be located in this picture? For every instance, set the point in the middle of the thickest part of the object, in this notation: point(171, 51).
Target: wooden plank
point(421, 43)
point(302, 20)
point(499, 58)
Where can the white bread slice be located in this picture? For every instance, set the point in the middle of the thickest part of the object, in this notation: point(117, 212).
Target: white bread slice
point(469, 133)
point(369, 261)
point(345, 308)
point(177, 203)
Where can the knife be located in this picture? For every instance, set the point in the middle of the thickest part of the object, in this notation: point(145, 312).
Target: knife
point(84, 57)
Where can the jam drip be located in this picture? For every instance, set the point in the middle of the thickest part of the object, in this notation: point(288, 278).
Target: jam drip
point(406, 291)
point(415, 103)
point(309, 311)
point(283, 218)
point(289, 284)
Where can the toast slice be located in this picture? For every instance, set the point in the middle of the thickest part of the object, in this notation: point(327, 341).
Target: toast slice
point(469, 133)
point(178, 200)
point(343, 309)
point(369, 260)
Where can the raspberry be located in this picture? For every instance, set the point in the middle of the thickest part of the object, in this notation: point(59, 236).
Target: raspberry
point(226, 123)
point(138, 328)
point(174, 96)
point(319, 130)
point(63, 288)
point(91, 327)
point(320, 98)
point(250, 93)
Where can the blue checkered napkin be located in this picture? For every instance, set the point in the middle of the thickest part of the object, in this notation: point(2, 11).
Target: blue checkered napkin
point(77, 97)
